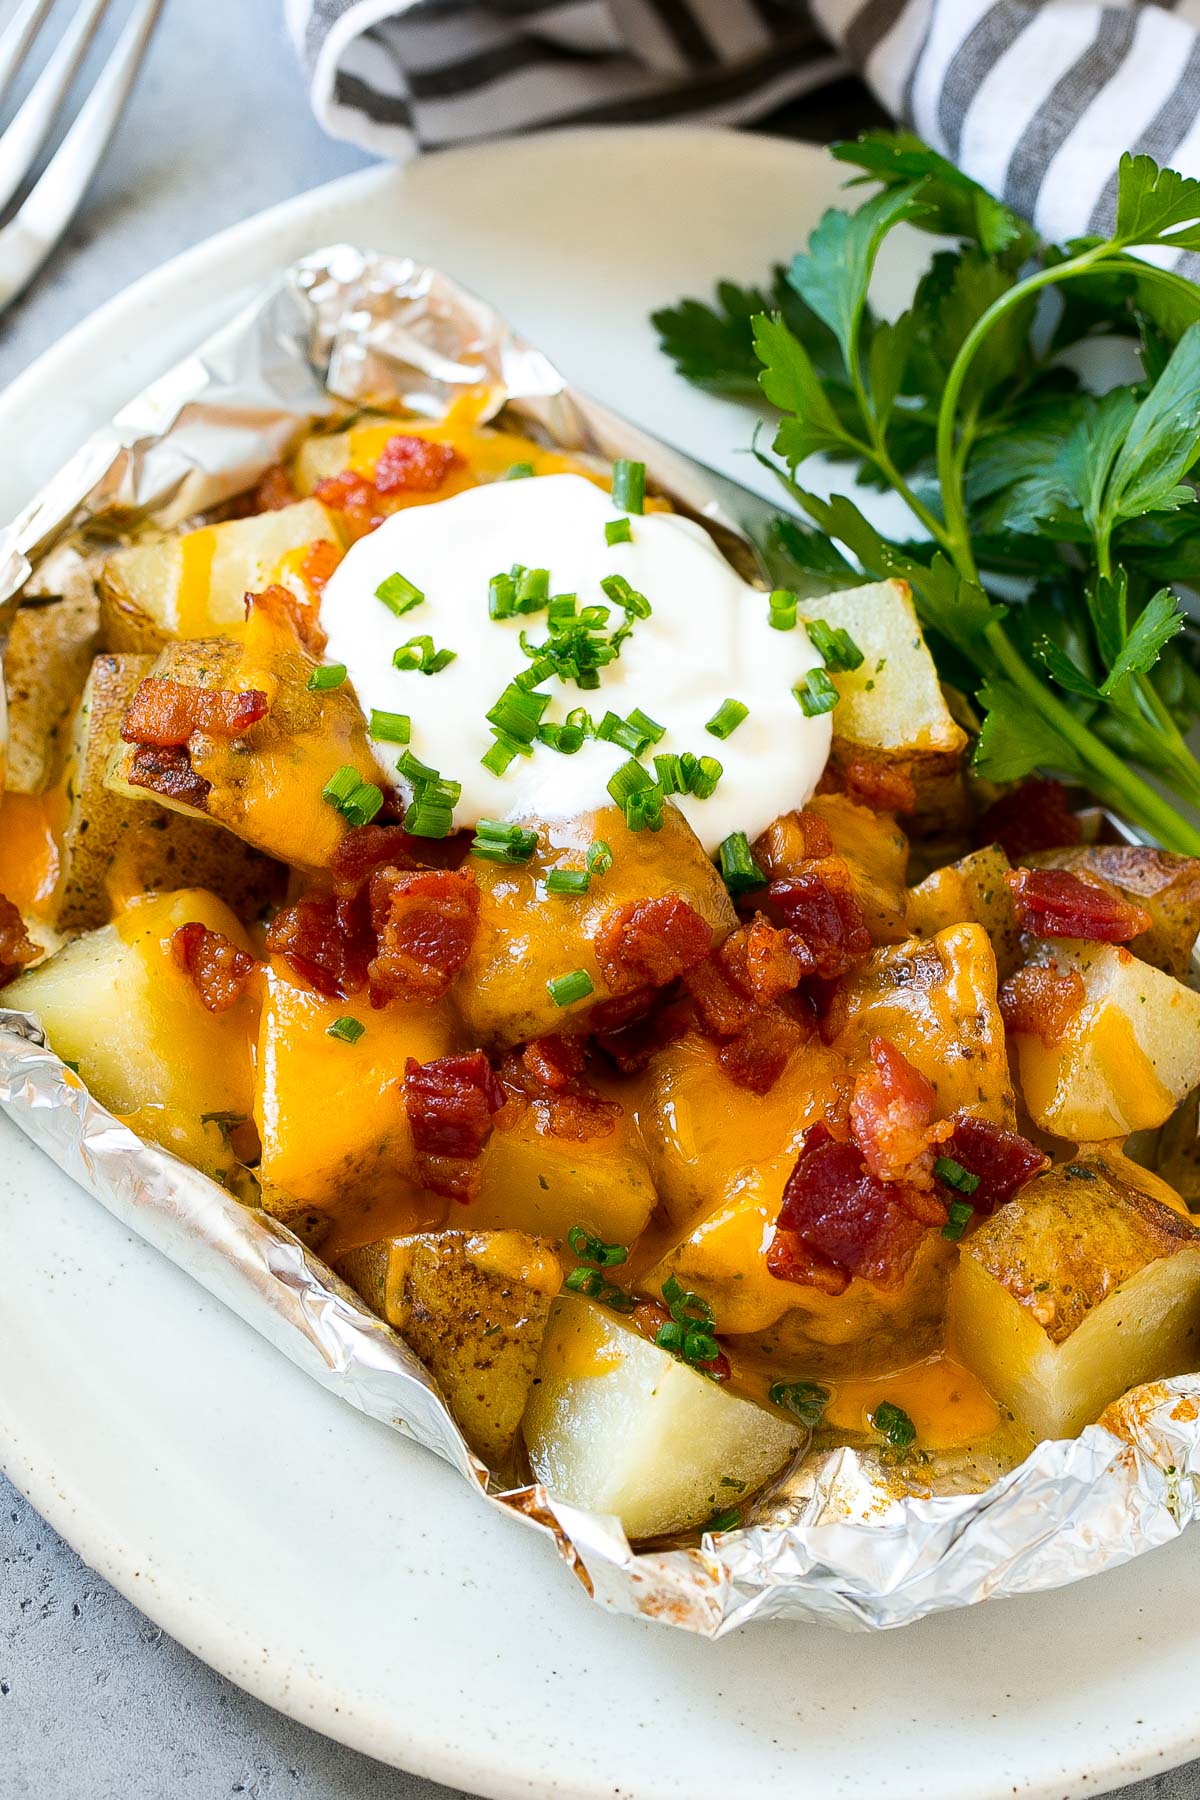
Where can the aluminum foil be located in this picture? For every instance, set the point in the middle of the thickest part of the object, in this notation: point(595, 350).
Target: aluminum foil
point(842, 1542)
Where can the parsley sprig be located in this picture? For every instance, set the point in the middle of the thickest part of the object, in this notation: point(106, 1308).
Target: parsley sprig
point(1047, 520)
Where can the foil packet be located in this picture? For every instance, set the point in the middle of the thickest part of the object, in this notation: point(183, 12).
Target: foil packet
point(840, 1542)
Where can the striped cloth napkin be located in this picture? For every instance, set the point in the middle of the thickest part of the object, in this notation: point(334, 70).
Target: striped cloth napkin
point(1035, 98)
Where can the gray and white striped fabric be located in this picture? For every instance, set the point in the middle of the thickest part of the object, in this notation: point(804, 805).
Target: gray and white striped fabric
point(1035, 98)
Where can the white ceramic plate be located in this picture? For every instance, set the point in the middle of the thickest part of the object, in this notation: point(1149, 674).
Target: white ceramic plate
point(335, 1571)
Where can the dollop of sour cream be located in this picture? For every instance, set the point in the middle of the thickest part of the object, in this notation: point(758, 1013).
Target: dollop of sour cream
point(706, 640)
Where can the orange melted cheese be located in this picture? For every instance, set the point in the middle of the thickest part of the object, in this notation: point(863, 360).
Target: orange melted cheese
point(945, 1402)
point(31, 827)
point(192, 614)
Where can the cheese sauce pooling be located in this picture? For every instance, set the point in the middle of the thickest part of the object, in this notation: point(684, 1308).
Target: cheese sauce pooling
point(707, 640)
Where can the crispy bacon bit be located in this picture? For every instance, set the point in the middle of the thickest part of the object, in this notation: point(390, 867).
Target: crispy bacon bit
point(737, 991)
point(891, 1113)
point(425, 920)
point(274, 491)
point(320, 560)
point(1001, 1159)
point(838, 1220)
point(758, 1055)
point(555, 1061)
point(326, 942)
point(291, 612)
point(818, 904)
point(1055, 903)
point(792, 841)
point(1042, 1001)
point(567, 1107)
point(765, 962)
point(166, 713)
point(871, 780)
point(366, 848)
point(1034, 816)
point(413, 465)
point(632, 1027)
point(356, 498)
point(649, 943)
point(16, 946)
point(217, 969)
point(169, 773)
point(450, 1104)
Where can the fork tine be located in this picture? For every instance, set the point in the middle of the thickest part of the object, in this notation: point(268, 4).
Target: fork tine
point(16, 38)
point(21, 141)
point(27, 240)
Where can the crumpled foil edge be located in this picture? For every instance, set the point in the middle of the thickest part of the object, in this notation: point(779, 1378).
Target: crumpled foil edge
point(345, 328)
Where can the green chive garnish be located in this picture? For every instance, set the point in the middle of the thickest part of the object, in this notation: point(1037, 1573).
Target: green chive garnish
point(618, 531)
point(727, 718)
point(533, 590)
point(703, 784)
point(650, 728)
point(726, 1521)
point(954, 1175)
point(566, 739)
point(520, 472)
point(497, 759)
point(629, 779)
point(783, 604)
point(564, 990)
point(347, 1030)
point(599, 857)
point(669, 769)
point(961, 1214)
point(414, 770)
point(499, 840)
point(629, 485)
point(502, 597)
point(593, 1250)
point(816, 694)
point(739, 871)
point(329, 675)
point(357, 800)
point(419, 655)
point(893, 1423)
point(389, 727)
point(517, 714)
point(805, 1400)
point(568, 881)
point(619, 590)
point(835, 645)
point(431, 814)
point(398, 594)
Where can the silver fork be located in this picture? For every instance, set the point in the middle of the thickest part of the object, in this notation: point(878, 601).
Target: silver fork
point(29, 237)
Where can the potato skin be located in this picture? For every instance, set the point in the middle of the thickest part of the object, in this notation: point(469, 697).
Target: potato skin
point(46, 664)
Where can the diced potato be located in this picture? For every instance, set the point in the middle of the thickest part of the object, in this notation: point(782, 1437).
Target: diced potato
point(873, 847)
point(537, 1182)
point(118, 1004)
point(1167, 886)
point(115, 845)
point(892, 711)
point(1127, 1057)
point(935, 998)
point(973, 888)
point(473, 1306)
point(1179, 1151)
point(45, 665)
point(527, 936)
point(617, 1425)
point(195, 585)
point(265, 786)
point(1076, 1290)
point(335, 1136)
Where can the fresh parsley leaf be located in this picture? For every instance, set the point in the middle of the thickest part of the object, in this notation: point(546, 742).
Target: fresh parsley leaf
point(1064, 670)
point(834, 273)
point(790, 382)
point(887, 362)
point(1089, 456)
point(953, 294)
point(1015, 740)
point(712, 346)
point(1161, 440)
point(1151, 201)
point(1158, 622)
point(1108, 601)
point(953, 204)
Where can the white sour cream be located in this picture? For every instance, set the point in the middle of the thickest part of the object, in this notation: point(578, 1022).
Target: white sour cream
point(707, 640)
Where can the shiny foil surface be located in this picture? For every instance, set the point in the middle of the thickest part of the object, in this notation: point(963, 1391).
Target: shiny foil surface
point(840, 1541)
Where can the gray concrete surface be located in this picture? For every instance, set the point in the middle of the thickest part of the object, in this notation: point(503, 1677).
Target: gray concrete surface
point(96, 1703)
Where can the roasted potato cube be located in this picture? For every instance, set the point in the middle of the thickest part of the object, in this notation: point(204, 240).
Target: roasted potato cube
point(45, 666)
point(1124, 1061)
point(115, 846)
point(1167, 886)
point(935, 998)
point(527, 936)
point(194, 586)
point(335, 1135)
point(971, 889)
point(473, 1306)
point(266, 785)
point(892, 714)
point(618, 1426)
point(874, 849)
point(1076, 1290)
point(117, 1003)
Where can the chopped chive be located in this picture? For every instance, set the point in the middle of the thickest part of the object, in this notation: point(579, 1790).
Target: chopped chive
point(568, 881)
point(357, 800)
point(502, 597)
point(623, 732)
point(630, 778)
point(499, 840)
point(347, 1030)
point(561, 608)
point(599, 857)
point(566, 739)
point(805, 1400)
point(329, 675)
point(816, 694)
point(519, 472)
point(782, 603)
point(341, 784)
point(390, 727)
point(650, 728)
point(618, 531)
point(414, 770)
point(954, 1175)
point(431, 814)
point(669, 770)
point(629, 485)
point(703, 783)
point(517, 713)
point(727, 718)
point(593, 1250)
point(398, 594)
point(739, 871)
point(497, 759)
point(564, 990)
point(893, 1423)
point(533, 590)
point(961, 1214)
point(619, 590)
point(419, 655)
point(644, 810)
point(726, 1521)
point(835, 645)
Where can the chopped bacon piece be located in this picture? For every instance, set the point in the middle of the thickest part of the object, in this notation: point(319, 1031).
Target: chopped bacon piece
point(356, 498)
point(818, 904)
point(891, 1113)
point(320, 560)
point(1041, 1001)
point(1003, 1160)
point(839, 1220)
point(366, 848)
point(649, 943)
point(16, 946)
point(758, 1055)
point(1034, 816)
point(413, 465)
point(794, 839)
point(631, 1027)
point(289, 610)
point(274, 491)
point(450, 1104)
point(737, 990)
point(555, 1061)
point(872, 780)
point(426, 921)
point(169, 773)
point(326, 942)
point(568, 1108)
point(217, 969)
point(1055, 903)
point(765, 962)
point(166, 713)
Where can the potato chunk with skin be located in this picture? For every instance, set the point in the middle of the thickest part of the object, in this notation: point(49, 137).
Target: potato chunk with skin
point(618, 1426)
point(194, 585)
point(527, 936)
point(266, 784)
point(1124, 1061)
point(873, 847)
point(473, 1306)
point(118, 1004)
point(1167, 886)
point(1077, 1289)
point(46, 664)
point(973, 888)
point(114, 846)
